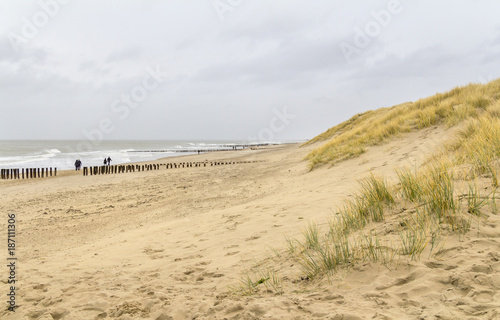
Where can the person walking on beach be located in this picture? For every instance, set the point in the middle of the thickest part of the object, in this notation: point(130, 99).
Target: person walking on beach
point(105, 161)
point(109, 161)
point(78, 164)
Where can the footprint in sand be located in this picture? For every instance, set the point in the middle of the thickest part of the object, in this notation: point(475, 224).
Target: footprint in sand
point(59, 313)
point(189, 272)
point(400, 281)
point(35, 314)
point(253, 238)
point(235, 308)
point(232, 253)
point(484, 296)
point(69, 290)
point(231, 218)
point(213, 274)
point(233, 227)
point(437, 265)
point(481, 269)
point(196, 256)
point(33, 297)
point(154, 254)
point(133, 309)
point(41, 286)
point(338, 299)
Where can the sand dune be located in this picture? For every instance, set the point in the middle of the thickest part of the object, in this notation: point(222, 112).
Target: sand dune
point(170, 244)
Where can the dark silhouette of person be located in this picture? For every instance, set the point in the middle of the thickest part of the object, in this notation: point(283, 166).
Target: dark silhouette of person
point(109, 161)
point(78, 164)
point(105, 161)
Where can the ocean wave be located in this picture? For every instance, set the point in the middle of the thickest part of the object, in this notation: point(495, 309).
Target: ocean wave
point(53, 151)
point(57, 155)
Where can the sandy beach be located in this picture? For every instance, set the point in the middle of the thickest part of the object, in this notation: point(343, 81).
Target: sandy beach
point(174, 243)
point(249, 160)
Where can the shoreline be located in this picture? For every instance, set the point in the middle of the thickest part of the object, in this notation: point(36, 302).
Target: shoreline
point(70, 172)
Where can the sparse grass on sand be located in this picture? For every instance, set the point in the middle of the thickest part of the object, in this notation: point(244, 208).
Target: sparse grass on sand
point(432, 204)
point(426, 205)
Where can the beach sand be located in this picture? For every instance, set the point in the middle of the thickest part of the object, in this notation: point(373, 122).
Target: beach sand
point(170, 244)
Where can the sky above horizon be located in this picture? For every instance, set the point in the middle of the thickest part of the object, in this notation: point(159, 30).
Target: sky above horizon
point(230, 69)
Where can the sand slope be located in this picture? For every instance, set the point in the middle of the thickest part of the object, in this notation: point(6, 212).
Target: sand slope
point(168, 244)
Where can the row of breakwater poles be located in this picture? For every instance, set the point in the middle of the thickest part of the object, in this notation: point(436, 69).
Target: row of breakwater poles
point(33, 173)
point(202, 164)
point(27, 173)
point(115, 169)
point(98, 170)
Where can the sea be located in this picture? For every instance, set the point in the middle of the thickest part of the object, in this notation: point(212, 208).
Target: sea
point(62, 154)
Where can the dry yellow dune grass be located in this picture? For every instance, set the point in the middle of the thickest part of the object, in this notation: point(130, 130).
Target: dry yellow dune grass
point(351, 138)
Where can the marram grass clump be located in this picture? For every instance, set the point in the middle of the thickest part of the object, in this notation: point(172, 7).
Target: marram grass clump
point(479, 145)
point(368, 204)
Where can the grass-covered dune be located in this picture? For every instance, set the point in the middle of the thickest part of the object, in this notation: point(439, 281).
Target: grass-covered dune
point(479, 102)
point(439, 199)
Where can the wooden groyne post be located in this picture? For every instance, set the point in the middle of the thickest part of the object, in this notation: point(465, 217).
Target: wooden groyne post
point(26, 173)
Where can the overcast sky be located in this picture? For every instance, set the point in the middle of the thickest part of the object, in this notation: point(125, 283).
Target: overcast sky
point(230, 69)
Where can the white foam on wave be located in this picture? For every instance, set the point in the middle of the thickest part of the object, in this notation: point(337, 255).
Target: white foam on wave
point(52, 156)
point(53, 151)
